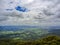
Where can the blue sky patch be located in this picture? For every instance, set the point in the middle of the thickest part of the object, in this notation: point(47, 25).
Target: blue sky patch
point(22, 9)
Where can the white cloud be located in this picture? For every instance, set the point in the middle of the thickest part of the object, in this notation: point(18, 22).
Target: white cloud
point(41, 12)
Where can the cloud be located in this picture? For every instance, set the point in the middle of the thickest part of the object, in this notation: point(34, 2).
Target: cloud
point(41, 12)
point(3, 18)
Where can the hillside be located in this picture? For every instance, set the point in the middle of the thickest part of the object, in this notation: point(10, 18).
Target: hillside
point(49, 40)
point(26, 34)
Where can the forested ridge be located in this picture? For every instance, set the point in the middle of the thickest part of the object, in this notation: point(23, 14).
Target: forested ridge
point(49, 40)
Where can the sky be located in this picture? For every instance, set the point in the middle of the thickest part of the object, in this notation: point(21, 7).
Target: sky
point(30, 12)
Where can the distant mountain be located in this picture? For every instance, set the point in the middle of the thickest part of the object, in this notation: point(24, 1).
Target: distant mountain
point(54, 27)
point(14, 28)
point(55, 32)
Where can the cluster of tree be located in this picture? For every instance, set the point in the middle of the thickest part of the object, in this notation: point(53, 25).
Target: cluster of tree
point(49, 40)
